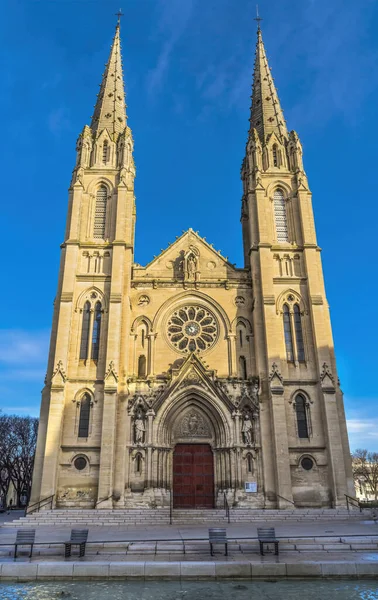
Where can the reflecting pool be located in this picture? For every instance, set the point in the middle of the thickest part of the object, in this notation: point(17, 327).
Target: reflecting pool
point(187, 590)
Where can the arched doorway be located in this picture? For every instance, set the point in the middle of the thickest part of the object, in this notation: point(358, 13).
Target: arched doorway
point(193, 476)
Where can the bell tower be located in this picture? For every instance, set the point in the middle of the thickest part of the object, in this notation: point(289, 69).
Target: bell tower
point(92, 299)
point(302, 413)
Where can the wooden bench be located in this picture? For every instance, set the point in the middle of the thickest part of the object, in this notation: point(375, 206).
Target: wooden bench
point(25, 537)
point(267, 535)
point(78, 538)
point(217, 535)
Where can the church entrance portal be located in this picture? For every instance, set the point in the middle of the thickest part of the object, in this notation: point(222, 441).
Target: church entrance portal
point(193, 476)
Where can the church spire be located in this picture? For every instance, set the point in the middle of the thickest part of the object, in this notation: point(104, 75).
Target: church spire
point(110, 109)
point(266, 112)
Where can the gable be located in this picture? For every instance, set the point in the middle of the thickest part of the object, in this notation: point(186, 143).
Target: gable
point(189, 258)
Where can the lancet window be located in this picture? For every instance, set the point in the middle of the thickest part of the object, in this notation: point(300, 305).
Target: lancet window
point(288, 333)
point(96, 331)
point(142, 366)
point(84, 344)
point(280, 216)
point(302, 416)
point(91, 327)
point(100, 213)
point(293, 330)
point(85, 408)
point(243, 367)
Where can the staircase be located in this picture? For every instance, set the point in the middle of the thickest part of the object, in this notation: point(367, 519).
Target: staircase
point(181, 517)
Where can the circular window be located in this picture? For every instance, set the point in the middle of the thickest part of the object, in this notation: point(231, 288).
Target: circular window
point(192, 329)
point(307, 463)
point(80, 463)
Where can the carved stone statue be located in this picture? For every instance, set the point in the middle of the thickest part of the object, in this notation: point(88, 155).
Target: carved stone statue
point(247, 430)
point(140, 428)
point(191, 266)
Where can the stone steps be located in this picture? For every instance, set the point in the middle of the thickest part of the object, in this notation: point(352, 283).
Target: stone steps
point(236, 546)
point(160, 516)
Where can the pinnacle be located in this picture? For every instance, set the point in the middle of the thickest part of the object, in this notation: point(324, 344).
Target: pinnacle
point(110, 108)
point(266, 112)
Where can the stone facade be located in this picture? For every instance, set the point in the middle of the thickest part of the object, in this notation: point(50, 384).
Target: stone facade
point(190, 349)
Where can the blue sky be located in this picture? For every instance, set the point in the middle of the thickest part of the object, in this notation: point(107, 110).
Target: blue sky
point(188, 67)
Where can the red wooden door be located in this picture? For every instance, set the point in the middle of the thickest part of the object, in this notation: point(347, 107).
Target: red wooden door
point(193, 476)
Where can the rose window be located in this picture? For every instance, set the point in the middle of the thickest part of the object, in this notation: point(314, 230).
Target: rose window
point(192, 329)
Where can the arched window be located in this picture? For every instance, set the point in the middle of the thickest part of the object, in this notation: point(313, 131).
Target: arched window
point(288, 334)
point(85, 408)
point(275, 155)
point(100, 212)
point(298, 333)
point(241, 337)
point(242, 367)
point(301, 412)
point(85, 331)
point(96, 331)
point(142, 366)
point(280, 217)
point(105, 149)
point(249, 463)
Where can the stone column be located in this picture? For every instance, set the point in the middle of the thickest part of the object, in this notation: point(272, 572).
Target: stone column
point(106, 473)
point(53, 441)
point(151, 351)
point(150, 418)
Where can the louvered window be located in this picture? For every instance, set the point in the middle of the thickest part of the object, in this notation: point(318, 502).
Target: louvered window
point(288, 334)
point(96, 331)
point(85, 407)
point(275, 155)
point(299, 333)
point(100, 213)
point(280, 216)
point(85, 331)
point(105, 152)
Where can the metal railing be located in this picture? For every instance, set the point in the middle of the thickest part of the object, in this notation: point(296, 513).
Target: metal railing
point(350, 501)
point(36, 506)
point(170, 507)
point(226, 507)
point(286, 499)
point(103, 500)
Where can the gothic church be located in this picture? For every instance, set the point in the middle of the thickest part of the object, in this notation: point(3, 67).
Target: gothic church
point(188, 380)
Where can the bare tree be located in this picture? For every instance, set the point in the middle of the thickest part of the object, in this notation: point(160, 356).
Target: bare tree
point(18, 438)
point(365, 468)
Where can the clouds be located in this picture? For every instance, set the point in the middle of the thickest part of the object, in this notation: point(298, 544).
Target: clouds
point(173, 20)
point(23, 360)
point(363, 430)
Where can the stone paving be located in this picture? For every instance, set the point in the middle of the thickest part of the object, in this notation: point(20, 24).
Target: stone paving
point(312, 549)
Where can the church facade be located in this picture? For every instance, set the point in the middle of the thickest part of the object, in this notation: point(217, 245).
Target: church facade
point(189, 380)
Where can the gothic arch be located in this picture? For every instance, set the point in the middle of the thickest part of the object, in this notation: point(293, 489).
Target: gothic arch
point(80, 393)
point(86, 296)
point(278, 184)
point(247, 324)
point(96, 183)
point(138, 321)
point(297, 299)
point(166, 419)
point(189, 297)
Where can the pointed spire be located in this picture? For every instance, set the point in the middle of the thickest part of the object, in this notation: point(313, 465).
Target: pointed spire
point(266, 112)
point(110, 109)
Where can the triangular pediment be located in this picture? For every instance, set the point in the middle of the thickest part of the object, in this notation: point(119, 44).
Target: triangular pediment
point(193, 375)
point(189, 257)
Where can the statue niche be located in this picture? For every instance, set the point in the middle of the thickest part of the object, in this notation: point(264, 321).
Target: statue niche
point(191, 264)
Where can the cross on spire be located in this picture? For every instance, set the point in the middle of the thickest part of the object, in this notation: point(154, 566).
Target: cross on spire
point(119, 14)
point(258, 18)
